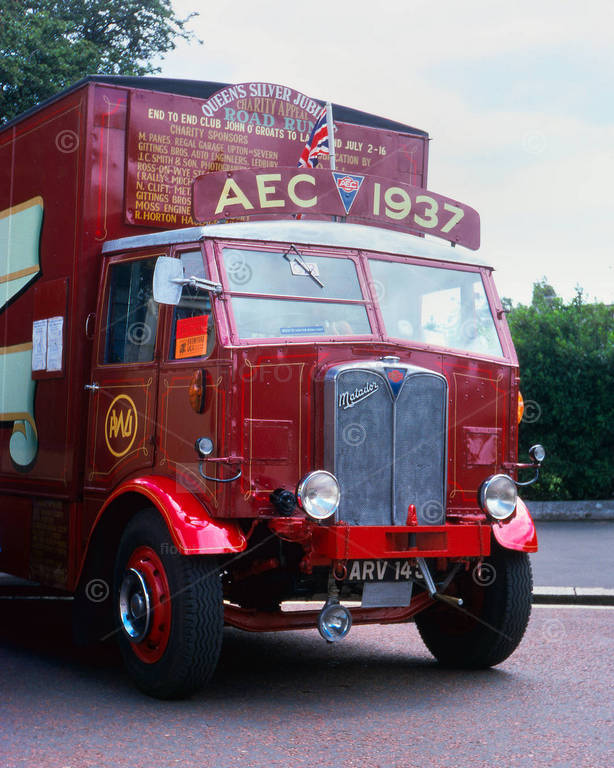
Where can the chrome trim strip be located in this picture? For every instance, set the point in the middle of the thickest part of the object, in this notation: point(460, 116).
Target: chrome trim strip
point(325, 233)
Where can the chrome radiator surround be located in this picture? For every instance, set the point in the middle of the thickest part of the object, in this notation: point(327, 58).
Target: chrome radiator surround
point(385, 439)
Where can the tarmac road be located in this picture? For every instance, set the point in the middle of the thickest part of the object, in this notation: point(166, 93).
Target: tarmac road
point(375, 699)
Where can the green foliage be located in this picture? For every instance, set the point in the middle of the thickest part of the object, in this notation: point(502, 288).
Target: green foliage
point(566, 357)
point(46, 45)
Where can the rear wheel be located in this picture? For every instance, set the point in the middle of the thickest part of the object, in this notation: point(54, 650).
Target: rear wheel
point(169, 609)
point(492, 621)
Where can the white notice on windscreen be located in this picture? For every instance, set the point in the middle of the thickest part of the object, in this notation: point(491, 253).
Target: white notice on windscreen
point(54, 343)
point(39, 345)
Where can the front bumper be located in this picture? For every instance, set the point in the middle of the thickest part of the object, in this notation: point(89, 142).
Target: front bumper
point(344, 542)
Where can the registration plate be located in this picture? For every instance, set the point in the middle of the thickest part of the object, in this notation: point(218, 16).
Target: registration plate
point(378, 570)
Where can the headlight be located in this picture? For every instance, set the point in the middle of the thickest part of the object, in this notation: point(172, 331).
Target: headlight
point(498, 496)
point(318, 494)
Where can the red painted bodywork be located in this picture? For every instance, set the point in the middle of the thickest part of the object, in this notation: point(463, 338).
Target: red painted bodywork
point(337, 542)
point(518, 532)
point(193, 531)
point(263, 398)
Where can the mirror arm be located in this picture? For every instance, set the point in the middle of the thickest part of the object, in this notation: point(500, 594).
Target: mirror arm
point(197, 282)
point(533, 480)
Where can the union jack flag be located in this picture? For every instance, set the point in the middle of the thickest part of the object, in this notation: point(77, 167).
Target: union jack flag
point(317, 144)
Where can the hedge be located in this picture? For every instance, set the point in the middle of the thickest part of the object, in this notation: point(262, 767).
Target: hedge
point(566, 357)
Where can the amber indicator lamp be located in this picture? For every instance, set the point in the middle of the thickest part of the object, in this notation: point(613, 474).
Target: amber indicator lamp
point(196, 391)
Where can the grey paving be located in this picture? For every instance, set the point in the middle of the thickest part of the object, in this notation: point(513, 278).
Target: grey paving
point(572, 510)
point(574, 554)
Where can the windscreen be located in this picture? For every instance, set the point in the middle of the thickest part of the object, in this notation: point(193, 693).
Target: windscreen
point(433, 305)
point(292, 294)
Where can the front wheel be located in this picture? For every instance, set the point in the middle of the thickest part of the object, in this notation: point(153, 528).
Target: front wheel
point(169, 610)
point(492, 621)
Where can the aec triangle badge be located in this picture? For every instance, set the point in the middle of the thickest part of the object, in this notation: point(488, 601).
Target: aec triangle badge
point(348, 185)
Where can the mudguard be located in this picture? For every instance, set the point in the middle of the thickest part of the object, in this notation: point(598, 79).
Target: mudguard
point(518, 532)
point(193, 531)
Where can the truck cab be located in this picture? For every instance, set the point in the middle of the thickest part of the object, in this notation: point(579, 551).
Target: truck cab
point(239, 391)
point(340, 402)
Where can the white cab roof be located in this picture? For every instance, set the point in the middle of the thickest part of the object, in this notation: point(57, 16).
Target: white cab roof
point(325, 233)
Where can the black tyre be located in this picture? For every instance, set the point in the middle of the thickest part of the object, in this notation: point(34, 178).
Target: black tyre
point(492, 621)
point(168, 609)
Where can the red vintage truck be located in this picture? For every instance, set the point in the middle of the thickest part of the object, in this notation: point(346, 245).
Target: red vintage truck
point(238, 392)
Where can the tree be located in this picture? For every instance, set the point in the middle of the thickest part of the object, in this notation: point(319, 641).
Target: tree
point(543, 295)
point(566, 357)
point(45, 45)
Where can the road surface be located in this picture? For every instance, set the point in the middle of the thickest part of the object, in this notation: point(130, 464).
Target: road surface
point(290, 700)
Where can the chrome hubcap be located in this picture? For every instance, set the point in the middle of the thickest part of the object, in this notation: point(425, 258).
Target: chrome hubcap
point(134, 606)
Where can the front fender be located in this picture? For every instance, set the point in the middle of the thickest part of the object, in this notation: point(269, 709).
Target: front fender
point(193, 531)
point(518, 532)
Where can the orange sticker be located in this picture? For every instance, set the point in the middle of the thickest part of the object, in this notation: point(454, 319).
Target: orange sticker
point(191, 337)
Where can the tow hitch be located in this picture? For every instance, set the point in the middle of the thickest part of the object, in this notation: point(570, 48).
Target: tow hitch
point(432, 589)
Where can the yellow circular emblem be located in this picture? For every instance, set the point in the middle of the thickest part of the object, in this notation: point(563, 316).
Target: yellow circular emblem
point(120, 425)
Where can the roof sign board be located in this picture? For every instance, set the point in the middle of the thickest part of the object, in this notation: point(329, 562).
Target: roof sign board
point(173, 139)
point(369, 199)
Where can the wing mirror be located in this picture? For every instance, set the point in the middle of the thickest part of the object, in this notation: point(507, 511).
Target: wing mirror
point(537, 453)
point(169, 279)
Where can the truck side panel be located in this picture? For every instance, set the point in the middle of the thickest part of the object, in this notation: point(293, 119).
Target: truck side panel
point(41, 180)
point(61, 196)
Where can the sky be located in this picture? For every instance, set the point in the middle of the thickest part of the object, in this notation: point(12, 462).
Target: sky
point(518, 100)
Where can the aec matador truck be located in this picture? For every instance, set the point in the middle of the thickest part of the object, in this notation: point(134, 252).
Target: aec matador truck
point(239, 391)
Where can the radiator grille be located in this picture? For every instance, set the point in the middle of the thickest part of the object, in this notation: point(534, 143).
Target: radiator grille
point(385, 441)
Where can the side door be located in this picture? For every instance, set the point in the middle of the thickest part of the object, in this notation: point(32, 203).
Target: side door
point(124, 377)
point(192, 397)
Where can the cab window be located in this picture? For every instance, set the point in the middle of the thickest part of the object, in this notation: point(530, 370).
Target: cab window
point(433, 305)
point(192, 330)
point(132, 317)
point(291, 295)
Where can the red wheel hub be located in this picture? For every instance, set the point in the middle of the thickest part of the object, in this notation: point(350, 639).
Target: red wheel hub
point(148, 564)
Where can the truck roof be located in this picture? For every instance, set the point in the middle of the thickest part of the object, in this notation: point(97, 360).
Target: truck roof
point(327, 233)
point(201, 89)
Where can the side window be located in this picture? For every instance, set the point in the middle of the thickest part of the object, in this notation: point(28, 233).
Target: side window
point(133, 314)
point(192, 331)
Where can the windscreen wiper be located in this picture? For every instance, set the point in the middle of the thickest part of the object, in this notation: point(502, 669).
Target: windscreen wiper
point(298, 259)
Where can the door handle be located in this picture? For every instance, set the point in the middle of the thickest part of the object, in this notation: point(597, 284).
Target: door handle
point(89, 325)
point(93, 387)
